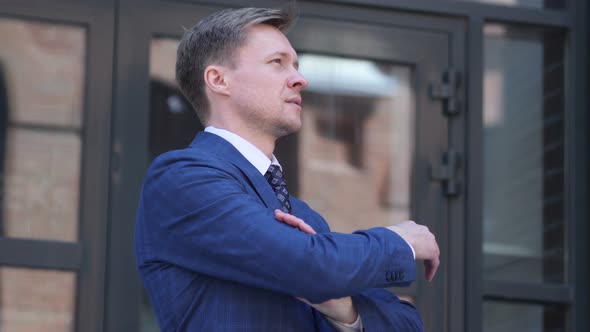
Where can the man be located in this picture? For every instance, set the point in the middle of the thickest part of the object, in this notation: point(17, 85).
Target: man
point(215, 241)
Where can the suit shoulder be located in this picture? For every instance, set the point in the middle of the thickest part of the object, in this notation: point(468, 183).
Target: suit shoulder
point(191, 162)
point(187, 156)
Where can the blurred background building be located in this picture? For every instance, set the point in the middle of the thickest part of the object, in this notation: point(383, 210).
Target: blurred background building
point(468, 116)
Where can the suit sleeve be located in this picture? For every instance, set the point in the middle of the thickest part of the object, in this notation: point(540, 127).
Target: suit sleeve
point(381, 310)
point(199, 217)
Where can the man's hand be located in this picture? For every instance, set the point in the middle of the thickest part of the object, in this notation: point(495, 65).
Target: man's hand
point(341, 310)
point(423, 242)
point(290, 219)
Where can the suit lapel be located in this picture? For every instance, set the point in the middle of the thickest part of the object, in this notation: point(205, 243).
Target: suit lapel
point(224, 150)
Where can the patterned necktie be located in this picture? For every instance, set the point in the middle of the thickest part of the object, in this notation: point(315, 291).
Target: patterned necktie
point(274, 176)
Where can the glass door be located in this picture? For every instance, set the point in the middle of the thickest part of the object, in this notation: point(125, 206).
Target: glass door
point(375, 143)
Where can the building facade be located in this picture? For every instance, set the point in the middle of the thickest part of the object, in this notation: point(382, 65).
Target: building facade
point(469, 116)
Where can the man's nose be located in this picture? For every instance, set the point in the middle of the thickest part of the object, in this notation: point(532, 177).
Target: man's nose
point(298, 82)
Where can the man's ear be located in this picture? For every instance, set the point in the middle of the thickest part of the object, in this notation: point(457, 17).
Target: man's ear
point(214, 76)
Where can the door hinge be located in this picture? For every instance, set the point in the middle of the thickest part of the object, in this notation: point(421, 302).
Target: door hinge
point(447, 91)
point(447, 172)
point(117, 155)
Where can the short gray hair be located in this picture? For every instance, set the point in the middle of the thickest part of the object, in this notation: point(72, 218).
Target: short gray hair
point(214, 40)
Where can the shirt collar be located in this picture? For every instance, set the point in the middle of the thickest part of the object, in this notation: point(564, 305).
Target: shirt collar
point(256, 157)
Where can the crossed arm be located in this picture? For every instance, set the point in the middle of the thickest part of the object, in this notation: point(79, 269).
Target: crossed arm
point(343, 310)
point(418, 236)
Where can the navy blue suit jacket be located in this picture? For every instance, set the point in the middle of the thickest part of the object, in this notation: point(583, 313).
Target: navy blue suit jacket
point(213, 257)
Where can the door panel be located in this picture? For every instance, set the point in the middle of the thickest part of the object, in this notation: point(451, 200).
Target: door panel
point(371, 134)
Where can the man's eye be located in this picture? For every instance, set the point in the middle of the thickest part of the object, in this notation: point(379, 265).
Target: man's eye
point(279, 61)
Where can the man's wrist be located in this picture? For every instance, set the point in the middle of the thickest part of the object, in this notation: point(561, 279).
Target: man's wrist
point(413, 251)
point(340, 310)
point(355, 326)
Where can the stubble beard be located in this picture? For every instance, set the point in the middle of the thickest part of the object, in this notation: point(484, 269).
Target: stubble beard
point(284, 128)
point(275, 127)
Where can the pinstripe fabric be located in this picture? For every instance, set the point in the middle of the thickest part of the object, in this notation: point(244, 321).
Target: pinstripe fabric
point(213, 258)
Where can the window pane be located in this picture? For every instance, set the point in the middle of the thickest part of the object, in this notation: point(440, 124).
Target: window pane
point(548, 4)
point(41, 185)
point(356, 143)
point(41, 98)
point(518, 317)
point(36, 300)
point(43, 69)
point(523, 193)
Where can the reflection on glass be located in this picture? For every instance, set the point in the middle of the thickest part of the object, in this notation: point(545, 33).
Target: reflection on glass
point(523, 211)
point(511, 317)
point(548, 4)
point(41, 98)
point(41, 184)
point(173, 122)
point(36, 300)
point(357, 141)
point(43, 65)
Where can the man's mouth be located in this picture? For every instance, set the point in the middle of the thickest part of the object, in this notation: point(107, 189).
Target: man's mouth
point(294, 100)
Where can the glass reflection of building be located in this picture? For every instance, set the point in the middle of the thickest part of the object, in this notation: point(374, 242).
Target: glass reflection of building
point(356, 144)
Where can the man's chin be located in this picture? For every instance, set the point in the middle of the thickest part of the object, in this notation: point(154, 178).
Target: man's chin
point(288, 129)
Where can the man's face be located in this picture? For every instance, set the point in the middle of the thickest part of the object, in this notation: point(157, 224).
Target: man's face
point(265, 86)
